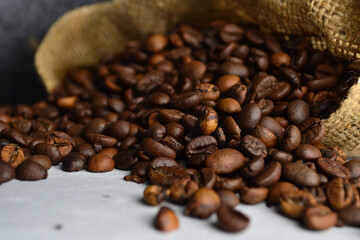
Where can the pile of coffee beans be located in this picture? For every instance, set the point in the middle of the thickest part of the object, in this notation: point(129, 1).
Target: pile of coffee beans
point(209, 117)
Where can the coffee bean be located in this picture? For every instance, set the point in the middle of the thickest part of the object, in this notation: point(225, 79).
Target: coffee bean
point(228, 198)
point(159, 99)
point(156, 131)
point(331, 168)
point(279, 190)
point(165, 176)
point(297, 111)
point(155, 195)
point(100, 163)
point(140, 169)
point(354, 168)
point(231, 184)
point(155, 149)
point(266, 106)
point(229, 105)
point(30, 171)
point(208, 91)
point(166, 220)
point(280, 156)
point(232, 68)
point(203, 203)
point(270, 175)
point(253, 195)
point(201, 144)
point(350, 215)
point(323, 83)
point(208, 120)
point(291, 138)
point(225, 82)
point(231, 220)
point(96, 125)
point(43, 160)
point(340, 193)
point(249, 117)
point(207, 178)
point(307, 152)
point(253, 167)
point(85, 149)
point(280, 59)
point(263, 85)
point(181, 190)
point(156, 42)
point(318, 193)
point(319, 218)
point(225, 161)
point(231, 33)
point(175, 130)
point(170, 115)
point(280, 91)
point(265, 136)
point(73, 162)
point(238, 92)
point(301, 175)
point(49, 150)
point(118, 129)
point(186, 100)
point(7, 172)
point(295, 203)
point(253, 147)
point(12, 154)
point(230, 127)
point(194, 70)
point(312, 130)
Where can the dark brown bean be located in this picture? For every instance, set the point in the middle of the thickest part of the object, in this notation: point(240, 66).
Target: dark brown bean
point(7, 172)
point(231, 220)
point(253, 147)
point(270, 175)
point(31, 171)
point(350, 215)
point(301, 175)
point(165, 176)
point(155, 195)
point(332, 169)
point(319, 218)
point(203, 203)
point(155, 149)
point(166, 220)
point(253, 195)
point(297, 111)
point(312, 130)
point(43, 160)
point(249, 117)
point(307, 152)
point(181, 190)
point(228, 198)
point(73, 162)
point(224, 161)
point(291, 138)
point(354, 167)
point(279, 190)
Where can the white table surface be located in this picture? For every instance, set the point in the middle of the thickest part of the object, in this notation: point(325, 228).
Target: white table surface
point(103, 206)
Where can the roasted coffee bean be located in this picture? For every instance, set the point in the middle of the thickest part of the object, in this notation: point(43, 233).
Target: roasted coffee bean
point(279, 190)
point(49, 150)
point(230, 127)
point(228, 198)
point(194, 70)
point(297, 111)
point(165, 176)
point(118, 129)
point(63, 145)
point(85, 149)
point(263, 85)
point(100, 163)
point(14, 136)
point(266, 106)
point(124, 160)
point(73, 162)
point(319, 218)
point(175, 130)
point(280, 91)
point(7, 172)
point(155, 195)
point(170, 115)
point(280, 156)
point(208, 91)
point(208, 121)
point(327, 153)
point(181, 190)
point(166, 220)
point(233, 184)
point(225, 82)
point(229, 106)
point(271, 124)
point(253, 195)
point(95, 125)
point(156, 131)
point(203, 203)
point(301, 175)
point(280, 59)
point(231, 33)
point(156, 42)
point(340, 193)
point(201, 144)
point(207, 178)
point(163, 162)
point(225, 161)
point(233, 68)
point(323, 83)
point(354, 168)
point(155, 149)
point(350, 215)
point(291, 138)
point(318, 193)
point(102, 140)
point(159, 99)
point(231, 220)
point(172, 143)
point(312, 130)
point(12, 154)
point(253, 147)
point(43, 160)
point(265, 135)
point(186, 100)
point(253, 167)
point(270, 175)
point(140, 169)
point(332, 169)
point(295, 203)
point(237, 92)
point(307, 152)
point(30, 171)
point(249, 117)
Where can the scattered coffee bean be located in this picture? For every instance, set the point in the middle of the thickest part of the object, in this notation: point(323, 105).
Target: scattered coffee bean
point(203, 203)
point(31, 171)
point(166, 220)
point(154, 195)
point(231, 220)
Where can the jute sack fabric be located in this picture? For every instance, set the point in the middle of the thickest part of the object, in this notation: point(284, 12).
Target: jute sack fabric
point(82, 36)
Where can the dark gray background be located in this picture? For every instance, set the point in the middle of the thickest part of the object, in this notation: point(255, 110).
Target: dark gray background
point(21, 20)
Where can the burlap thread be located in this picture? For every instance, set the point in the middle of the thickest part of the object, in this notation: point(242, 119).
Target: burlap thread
point(83, 35)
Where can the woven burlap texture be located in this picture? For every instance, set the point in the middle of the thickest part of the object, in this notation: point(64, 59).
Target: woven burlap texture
point(82, 36)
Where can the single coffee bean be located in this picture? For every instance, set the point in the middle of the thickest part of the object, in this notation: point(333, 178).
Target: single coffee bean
point(266, 106)
point(100, 163)
point(237, 92)
point(263, 85)
point(280, 59)
point(155, 195)
point(163, 162)
point(271, 124)
point(291, 138)
point(280, 156)
point(253, 167)
point(265, 136)
point(319, 217)
point(49, 150)
point(340, 193)
point(194, 70)
point(225, 161)
point(307, 152)
point(156, 131)
point(297, 111)
point(165, 176)
point(231, 33)
point(203, 203)
point(270, 175)
point(73, 162)
point(253, 195)
point(118, 129)
point(295, 203)
point(7, 172)
point(207, 178)
point(231, 184)
point(170, 115)
point(350, 215)
point(318, 193)
point(249, 117)
point(110, 152)
point(280, 91)
point(332, 169)
point(225, 82)
point(175, 130)
point(301, 175)
point(85, 149)
point(43, 160)
point(354, 168)
point(186, 101)
point(181, 190)
point(312, 130)
point(208, 120)
point(229, 105)
point(279, 190)
point(166, 220)
point(159, 99)
point(156, 43)
point(253, 147)
point(155, 149)
point(228, 198)
point(102, 140)
point(231, 128)
point(95, 125)
point(12, 154)
point(233, 68)
point(323, 83)
point(124, 160)
point(208, 91)
point(231, 220)
point(30, 171)
point(140, 169)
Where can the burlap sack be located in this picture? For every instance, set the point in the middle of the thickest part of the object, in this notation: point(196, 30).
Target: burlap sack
point(81, 36)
